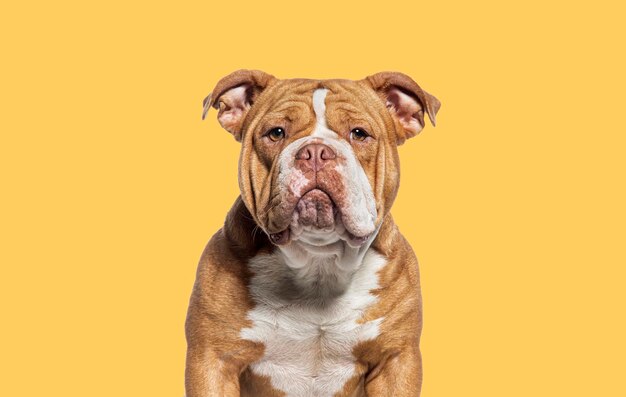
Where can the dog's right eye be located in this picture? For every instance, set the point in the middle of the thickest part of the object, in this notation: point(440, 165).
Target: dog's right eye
point(358, 134)
point(276, 134)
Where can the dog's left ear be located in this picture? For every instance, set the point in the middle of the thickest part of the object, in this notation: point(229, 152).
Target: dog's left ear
point(405, 100)
point(233, 95)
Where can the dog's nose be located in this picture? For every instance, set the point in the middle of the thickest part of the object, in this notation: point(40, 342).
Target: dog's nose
point(315, 156)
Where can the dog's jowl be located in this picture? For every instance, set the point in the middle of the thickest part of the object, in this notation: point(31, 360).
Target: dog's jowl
point(309, 289)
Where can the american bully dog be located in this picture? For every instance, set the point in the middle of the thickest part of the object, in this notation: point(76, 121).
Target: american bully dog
point(310, 289)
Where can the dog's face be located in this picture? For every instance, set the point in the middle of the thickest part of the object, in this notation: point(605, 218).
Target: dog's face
point(319, 159)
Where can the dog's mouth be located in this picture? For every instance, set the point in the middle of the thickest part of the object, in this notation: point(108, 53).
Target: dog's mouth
point(317, 218)
point(315, 209)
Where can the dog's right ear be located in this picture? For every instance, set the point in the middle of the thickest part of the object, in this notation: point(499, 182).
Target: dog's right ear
point(233, 95)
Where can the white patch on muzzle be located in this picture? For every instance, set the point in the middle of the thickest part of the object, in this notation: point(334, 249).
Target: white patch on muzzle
point(358, 210)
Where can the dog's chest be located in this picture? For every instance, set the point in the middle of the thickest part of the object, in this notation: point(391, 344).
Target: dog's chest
point(309, 347)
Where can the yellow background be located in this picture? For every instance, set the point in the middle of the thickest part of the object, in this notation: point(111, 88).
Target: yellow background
point(111, 184)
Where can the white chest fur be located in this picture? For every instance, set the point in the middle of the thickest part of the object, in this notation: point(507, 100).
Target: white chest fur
point(308, 341)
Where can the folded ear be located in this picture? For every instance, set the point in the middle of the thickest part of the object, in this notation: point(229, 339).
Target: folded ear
point(233, 95)
point(405, 100)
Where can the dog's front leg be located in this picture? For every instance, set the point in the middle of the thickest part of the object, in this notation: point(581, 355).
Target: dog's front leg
point(399, 375)
point(208, 376)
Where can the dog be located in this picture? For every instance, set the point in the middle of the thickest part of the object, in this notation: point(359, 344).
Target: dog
point(310, 289)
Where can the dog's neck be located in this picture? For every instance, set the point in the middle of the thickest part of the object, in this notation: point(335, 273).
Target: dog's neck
point(321, 266)
point(313, 267)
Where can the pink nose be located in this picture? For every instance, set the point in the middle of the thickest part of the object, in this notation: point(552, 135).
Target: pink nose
point(314, 156)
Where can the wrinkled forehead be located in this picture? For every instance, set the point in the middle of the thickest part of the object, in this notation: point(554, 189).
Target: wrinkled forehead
point(301, 101)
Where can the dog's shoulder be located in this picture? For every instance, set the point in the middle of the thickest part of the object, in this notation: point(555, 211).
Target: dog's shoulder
point(220, 299)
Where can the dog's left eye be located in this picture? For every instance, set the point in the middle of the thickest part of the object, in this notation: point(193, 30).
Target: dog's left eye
point(276, 134)
point(358, 134)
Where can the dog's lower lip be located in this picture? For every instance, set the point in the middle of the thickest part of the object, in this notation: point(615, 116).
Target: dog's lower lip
point(358, 240)
point(319, 190)
point(280, 238)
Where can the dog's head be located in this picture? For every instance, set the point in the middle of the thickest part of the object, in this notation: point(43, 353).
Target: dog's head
point(319, 159)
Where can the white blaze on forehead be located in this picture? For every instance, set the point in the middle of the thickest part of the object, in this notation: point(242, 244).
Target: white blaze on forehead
point(319, 107)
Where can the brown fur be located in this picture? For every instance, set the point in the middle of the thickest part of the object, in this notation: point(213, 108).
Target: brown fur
point(217, 358)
